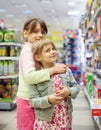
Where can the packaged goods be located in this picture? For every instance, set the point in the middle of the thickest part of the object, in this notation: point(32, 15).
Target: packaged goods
point(9, 36)
point(1, 36)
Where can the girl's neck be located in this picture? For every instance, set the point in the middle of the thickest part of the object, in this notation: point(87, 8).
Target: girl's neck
point(48, 66)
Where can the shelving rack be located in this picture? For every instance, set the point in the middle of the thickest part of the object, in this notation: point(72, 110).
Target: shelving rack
point(8, 81)
point(92, 39)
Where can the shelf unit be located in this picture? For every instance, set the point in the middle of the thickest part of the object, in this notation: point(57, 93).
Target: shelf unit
point(9, 56)
point(91, 103)
point(92, 37)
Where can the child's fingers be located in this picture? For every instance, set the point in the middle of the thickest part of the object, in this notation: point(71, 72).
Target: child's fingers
point(62, 87)
point(60, 92)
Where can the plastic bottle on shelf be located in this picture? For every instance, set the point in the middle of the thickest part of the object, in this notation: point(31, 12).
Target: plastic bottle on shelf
point(1, 68)
point(5, 65)
point(11, 67)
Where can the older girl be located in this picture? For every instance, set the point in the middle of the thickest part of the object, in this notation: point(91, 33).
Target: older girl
point(34, 29)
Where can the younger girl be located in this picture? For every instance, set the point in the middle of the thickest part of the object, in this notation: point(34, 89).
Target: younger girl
point(52, 99)
point(34, 29)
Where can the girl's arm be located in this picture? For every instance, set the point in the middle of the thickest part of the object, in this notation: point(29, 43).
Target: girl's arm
point(39, 101)
point(36, 101)
point(74, 88)
point(30, 74)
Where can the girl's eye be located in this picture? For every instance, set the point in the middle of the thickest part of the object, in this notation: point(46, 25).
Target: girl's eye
point(53, 49)
point(43, 32)
point(36, 31)
point(47, 50)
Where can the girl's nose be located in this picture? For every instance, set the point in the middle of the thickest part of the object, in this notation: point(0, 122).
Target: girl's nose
point(40, 34)
point(53, 51)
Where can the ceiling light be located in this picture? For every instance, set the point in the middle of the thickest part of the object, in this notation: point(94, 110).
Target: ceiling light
point(20, 5)
point(73, 12)
point(92, 12)
point(71, 3)
point(45, 1)
point(2, 10)
point(10, 15)
point(27, 12)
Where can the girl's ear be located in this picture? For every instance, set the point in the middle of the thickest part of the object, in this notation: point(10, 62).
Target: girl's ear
point(37, 58)
point(25, 33)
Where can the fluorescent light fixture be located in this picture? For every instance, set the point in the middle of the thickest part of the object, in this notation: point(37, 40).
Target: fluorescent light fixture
point(10, 15)
point(71, 3)
point(73, 12)
point(27, 12)
point(2, 10)
point(92, 12)
point(45, 1)
point(20, 5)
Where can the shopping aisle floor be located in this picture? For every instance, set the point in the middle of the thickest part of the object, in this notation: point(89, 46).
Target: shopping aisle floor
point(82, 119)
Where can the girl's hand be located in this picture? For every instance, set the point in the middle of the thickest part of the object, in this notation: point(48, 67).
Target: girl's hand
point(64, 92)
point(57, 69)
point(54, 99)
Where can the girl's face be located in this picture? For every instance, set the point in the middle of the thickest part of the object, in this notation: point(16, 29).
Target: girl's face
point(36, 35)
point(48, 56)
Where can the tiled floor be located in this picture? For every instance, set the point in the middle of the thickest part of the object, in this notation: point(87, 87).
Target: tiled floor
point(82, 119)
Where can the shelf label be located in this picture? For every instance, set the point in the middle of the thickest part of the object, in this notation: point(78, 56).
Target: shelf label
point(96, 112)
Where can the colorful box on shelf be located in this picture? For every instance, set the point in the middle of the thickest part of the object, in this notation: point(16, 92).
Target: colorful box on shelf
point(99, 93)
point(96, 112)
point(96, 107)
point(7, 99)
point(99, 27)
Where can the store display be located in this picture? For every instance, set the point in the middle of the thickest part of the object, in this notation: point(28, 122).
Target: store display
point(92, 88)
point(1, 36)
point(9, 36)
point(79, 47)
point(72, 46)
point(9, 52)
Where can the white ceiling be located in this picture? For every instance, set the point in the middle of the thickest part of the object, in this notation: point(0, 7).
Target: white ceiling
point(15, 12)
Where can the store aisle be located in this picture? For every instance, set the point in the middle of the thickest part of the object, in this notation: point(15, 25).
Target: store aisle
point(82, 119)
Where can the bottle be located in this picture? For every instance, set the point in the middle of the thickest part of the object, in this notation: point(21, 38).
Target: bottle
point(5, 68)
point(1, 68)
point(10, 67)
point(12, 51)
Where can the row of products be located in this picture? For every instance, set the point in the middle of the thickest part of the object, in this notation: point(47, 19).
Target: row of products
point(9, 50)
point(73, 48)
point(8, 88)
point(93, 17)
point(8, 67)
point(72, 51)
point(97, 58)
point(7, 36)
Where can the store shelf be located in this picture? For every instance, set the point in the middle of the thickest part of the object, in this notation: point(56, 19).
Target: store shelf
point(97, 41)
point(90, 7)
point(97, 14)
point(9, 76)
point(7, 105)
point(9, 58)
point(92, 104)
point(10, 44)
point(93, 43)
point(98, 72)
